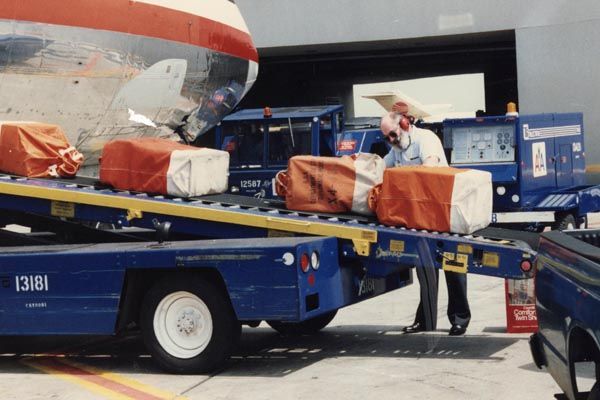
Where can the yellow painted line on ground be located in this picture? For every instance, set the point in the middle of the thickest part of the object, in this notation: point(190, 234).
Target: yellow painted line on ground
point(362, 238)
point(593, 168)
point(74, 379)
point(106, 384)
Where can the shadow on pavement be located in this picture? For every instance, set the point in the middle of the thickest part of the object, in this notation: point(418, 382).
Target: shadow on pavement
point(262, 351)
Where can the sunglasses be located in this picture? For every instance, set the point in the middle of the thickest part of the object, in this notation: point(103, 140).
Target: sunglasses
point(392, 135)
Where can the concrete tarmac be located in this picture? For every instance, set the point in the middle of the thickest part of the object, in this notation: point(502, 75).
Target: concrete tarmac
point(361, 355)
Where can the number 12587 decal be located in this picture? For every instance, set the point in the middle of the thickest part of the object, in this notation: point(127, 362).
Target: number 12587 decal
point(31, 283)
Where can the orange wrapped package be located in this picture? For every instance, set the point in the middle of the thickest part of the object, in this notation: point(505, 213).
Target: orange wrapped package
point(330, 184)
point(37, 150)
point(442, 199)
point(162, 166)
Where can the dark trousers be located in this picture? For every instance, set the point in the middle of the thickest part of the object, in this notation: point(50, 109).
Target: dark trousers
point(459, 312)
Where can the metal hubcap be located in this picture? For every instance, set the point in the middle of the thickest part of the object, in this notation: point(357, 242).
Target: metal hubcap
point(188, 322)
point(183, 324)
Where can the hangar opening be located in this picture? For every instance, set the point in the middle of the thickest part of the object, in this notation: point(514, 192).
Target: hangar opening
point(325, 74)
point(452, 95)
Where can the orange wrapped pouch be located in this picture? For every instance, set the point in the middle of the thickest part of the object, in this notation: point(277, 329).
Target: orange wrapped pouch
point(442, 199)
point(37, 150)
point(162, 166)
point(330, 184)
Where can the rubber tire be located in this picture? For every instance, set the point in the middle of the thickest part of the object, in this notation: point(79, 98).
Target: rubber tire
point(563, 222)
point(226, 327)
point(595, 392)
point(308, 327)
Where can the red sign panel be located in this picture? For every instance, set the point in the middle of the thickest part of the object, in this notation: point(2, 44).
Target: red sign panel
point(347, 145)
point(521, 315)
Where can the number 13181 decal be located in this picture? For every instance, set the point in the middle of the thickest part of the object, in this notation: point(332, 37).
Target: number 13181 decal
point(31, 283)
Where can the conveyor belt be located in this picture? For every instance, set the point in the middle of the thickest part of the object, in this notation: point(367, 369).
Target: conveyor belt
point(90, 192)
point(532, 239)
point(273, 206)
point(491, 251)
point(226, 199)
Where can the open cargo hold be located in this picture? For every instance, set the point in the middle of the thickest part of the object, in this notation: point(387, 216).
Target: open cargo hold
point(330, 184)
point(162, 166)
point(442, 199)
point(37, 150)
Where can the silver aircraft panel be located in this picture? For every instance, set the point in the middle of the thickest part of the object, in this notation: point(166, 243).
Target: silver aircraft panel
point(102, 85)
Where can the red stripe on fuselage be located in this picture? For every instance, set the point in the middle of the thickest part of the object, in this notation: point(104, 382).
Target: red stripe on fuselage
point(128, 16)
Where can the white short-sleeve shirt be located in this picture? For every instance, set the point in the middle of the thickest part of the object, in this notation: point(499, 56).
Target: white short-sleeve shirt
point(423, 144)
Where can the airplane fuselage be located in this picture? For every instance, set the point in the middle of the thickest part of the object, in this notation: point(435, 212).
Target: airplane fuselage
point(103, 69)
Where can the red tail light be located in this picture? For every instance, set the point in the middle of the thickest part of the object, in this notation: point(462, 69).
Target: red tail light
point(304, 262)
point(526, 266)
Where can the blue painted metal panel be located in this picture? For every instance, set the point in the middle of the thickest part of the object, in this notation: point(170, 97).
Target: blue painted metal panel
point(558, 202)
point(283, 113)
point(76, 289)
point(51, 292)
point(360, 141)
point(424, 247)
point(315, 138)
point(549, 160)
point(564, 165)
point(261, 146)
point(538, 174)
point(255, 182)
point(504, 175)
point(589, 200)
point(574, 148)
point(501, 173)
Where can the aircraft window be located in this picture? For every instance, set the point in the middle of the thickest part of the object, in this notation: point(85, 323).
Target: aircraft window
point(245, 144)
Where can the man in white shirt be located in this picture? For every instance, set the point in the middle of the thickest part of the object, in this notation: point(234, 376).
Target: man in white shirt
point(411, 145)
point(416, 146)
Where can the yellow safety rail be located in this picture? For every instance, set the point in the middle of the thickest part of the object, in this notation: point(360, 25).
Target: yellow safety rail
point(135, 207)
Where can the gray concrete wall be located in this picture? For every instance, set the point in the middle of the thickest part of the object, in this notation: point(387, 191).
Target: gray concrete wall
point(276, 23)
point(558, 69)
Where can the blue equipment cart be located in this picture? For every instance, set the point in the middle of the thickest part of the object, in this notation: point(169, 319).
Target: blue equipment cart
point(260, 142)
point(537, 164)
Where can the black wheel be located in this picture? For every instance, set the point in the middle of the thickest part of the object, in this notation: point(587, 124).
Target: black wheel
point(564, 222)
point(595, 392)
point(308, 327)
point(188, 325)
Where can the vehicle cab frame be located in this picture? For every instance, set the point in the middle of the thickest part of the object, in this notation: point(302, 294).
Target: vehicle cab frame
point(260, 142)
